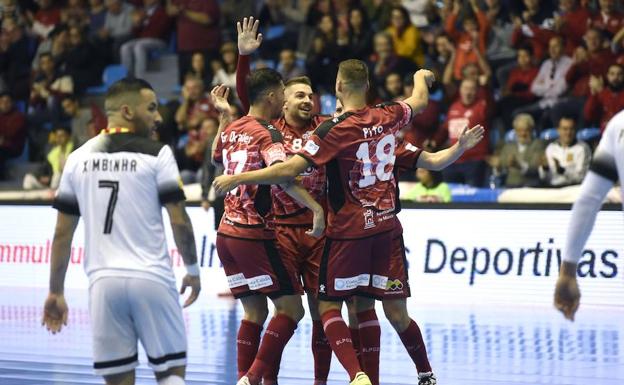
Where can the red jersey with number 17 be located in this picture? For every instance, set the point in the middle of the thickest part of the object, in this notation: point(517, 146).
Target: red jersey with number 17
point(248, 144)
point(358, 150)
point(288, 211)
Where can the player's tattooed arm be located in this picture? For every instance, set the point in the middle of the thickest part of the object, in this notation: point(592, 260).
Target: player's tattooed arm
point(444, 158)
point(280, 173)
point(182, 232)
point(302, 196)
point(55, 308)
point(185, 241)
point(61, 250)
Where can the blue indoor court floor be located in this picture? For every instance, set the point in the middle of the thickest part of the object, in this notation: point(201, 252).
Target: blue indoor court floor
point(468, 345)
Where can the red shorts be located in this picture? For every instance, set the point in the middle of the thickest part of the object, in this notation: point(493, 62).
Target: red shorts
point(355, 267)
point(301, 253)
point(398, 279)
point(256, 267)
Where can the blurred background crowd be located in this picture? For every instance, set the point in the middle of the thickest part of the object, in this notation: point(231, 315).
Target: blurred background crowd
point(543, 77)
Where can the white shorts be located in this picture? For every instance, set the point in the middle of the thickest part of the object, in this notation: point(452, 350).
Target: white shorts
point(124, 310)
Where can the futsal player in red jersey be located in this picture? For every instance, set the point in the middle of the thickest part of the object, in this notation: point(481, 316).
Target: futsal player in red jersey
point(299, 250)
point(357, 148)
point(246, 237)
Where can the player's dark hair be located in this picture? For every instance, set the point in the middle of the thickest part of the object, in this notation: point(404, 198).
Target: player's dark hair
point(354, 73)
point(260, 81)
point(299, 80)
point(568, 117)
point(123, 88)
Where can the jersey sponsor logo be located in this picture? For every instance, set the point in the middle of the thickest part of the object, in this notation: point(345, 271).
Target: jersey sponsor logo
point(380, 281)
point(275, 153)
point(259, 282)
point(234, 137)
point(236, 280)
point(322, 289)
point(369, 219)
point(342, 284)
point(394, 285)
point(372, 131)
point(311, 147)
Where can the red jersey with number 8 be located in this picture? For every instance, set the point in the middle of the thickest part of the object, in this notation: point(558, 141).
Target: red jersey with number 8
point(248, 144)
point(357, 149)
point(286, 209)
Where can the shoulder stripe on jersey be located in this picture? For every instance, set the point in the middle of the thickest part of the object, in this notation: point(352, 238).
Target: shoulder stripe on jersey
point(605, 169)
point(130, 142)
point(171, 196)
point(67, 206)
point(276, 135)
point(323, 128)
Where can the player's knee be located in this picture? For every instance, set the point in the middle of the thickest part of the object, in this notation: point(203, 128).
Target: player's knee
point(397, 315)
point(256, 314)
point(126, 378)
point(364, 304)
point(290, 306)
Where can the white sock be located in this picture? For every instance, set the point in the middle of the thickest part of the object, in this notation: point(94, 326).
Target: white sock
point(171, 380)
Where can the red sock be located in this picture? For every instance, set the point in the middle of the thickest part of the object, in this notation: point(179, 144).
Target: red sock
point(415, 346)
point(355, 337)
point(247, 344)
point(270, 377)
point(370, 335)
point(277, 334)
point(321, 351)
point(339, 339)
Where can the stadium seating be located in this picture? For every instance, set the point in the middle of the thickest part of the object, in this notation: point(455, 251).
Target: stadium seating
point(328, 104)
point(111, 74)
point(549, 134)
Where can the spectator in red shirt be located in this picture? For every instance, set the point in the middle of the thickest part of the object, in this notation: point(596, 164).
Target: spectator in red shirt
point(517, 90)
point(12, 131)
point(468, 111)
point(195, 105)
point(471, 39)
point(151, 29)
point(604, 102)
point(571, 22)
point(45, 19)
point(607, 19)
point(197, 30)
point(529, 29)
point(589, 60)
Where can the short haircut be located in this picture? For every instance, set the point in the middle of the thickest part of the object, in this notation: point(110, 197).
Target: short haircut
point(525, 118)
point(568, 117)
point(354, 73)
point(67, 130)
point(260, 81)
point(526, 47)
point(616, 65)
point(299, 80)
point(123, 89)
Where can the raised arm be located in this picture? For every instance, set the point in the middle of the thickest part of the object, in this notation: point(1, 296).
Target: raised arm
point(185, 241)
point(249, 41)
point(423, 79)
point(55, 308)
point(442, 159)
point(219, 96)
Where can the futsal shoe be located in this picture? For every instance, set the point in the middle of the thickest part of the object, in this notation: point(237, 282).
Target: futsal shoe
point(244, 380)
point(427, 378)
point(360, 379)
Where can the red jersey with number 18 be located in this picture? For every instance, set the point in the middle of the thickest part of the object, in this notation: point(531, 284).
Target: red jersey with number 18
point(358, 150)
point(248, 144)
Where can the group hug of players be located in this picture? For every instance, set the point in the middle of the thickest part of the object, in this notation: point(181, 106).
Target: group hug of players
point(287, 171)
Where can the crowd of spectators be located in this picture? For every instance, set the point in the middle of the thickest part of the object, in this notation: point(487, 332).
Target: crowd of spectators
point(532, 72)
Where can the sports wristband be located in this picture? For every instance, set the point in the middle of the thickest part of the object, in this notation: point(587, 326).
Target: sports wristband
point(192, 269)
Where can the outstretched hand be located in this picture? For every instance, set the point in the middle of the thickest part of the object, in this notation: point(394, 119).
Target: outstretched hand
point(470, 137)
point(318, 225)
point(567, 293)
point(426, 75)
point(249, 39)
point(219, 96)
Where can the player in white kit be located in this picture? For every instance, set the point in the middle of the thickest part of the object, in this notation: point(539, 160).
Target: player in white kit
point(605, 170)
point(118, 182)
